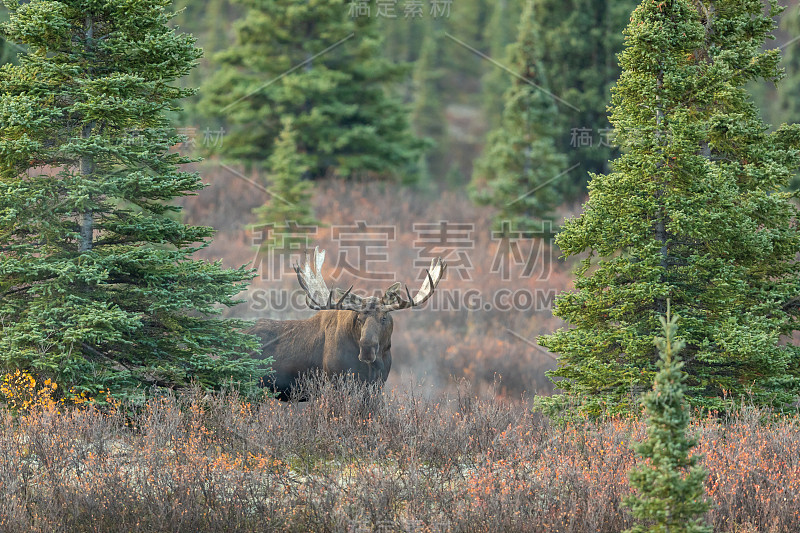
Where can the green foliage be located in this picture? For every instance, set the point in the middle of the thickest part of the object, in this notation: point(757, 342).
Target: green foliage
point(499, 35)
point(580, 41)
point(7, 50)
point(428, 116)
point(290, 194)
point(403, 36)
point(671, 496)
point(517, 172)
point(98, 288)
point(322, 67)
point(693, 211)
point(788, 104)
point(210, 22)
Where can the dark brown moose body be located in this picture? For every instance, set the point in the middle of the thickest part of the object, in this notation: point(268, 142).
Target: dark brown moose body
point(350, 335)
point(327, 342)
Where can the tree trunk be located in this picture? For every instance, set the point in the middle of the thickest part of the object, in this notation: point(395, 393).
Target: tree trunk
point(661, 224)
point(87, 163)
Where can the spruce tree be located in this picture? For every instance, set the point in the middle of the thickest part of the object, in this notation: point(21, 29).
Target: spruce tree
point(464, 20)
point(520, 162)
point(290, 194)
point(6, 51)
point(209, 22)
point(788, 104)
point(671, 495)
point(98, 287)
point(693, 211)
point(321, 64)
point(499, 35)
point(2, 45)
point(580, 40)
point(402, 36)
point(428, 116)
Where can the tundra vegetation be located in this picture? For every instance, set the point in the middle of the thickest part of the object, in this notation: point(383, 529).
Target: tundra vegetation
point(422, 461)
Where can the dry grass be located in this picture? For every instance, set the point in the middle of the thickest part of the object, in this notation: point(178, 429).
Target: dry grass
point(354, 460)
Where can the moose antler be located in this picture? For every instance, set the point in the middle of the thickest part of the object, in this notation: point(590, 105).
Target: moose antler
point(317, 294)
point(319, 297)
point(433, 276)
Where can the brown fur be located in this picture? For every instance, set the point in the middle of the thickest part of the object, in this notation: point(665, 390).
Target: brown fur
point(332, 341)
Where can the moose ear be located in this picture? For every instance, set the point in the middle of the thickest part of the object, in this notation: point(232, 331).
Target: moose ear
point(350, 300)
point(390, 295)
point(395, 287)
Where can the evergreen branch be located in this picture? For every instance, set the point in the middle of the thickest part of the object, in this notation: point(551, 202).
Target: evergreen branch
point(101, 355)
point(305, 62)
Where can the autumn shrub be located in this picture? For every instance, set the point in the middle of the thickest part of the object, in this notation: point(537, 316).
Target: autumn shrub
point(20, 391)
point(412, 459)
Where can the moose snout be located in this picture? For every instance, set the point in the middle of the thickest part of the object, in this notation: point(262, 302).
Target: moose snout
point(368, 353)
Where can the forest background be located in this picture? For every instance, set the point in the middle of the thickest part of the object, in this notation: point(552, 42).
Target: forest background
point(455, 69)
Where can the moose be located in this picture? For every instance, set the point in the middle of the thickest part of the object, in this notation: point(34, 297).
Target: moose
point(351, 335)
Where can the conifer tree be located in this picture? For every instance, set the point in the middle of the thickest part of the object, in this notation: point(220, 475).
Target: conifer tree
point(428, 116)
point(580, 40)
point(6, 51)
point(788, 107)
point(290, 194)
point(210, 22)
point(520, 159)
point(499, 35)
point(671, 495)
point(320, 63)
point(98, 288)
point(788, 104)
point(693, 211)
point(402, 36)
point(465, 21)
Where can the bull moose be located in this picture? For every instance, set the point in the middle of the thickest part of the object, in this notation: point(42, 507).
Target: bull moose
point(351, 335)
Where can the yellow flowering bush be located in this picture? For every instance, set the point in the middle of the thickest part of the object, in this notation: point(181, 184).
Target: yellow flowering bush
point(20, 391)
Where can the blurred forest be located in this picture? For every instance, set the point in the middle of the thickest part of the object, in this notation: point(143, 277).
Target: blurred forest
point(462, 70)
point(452, 60)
